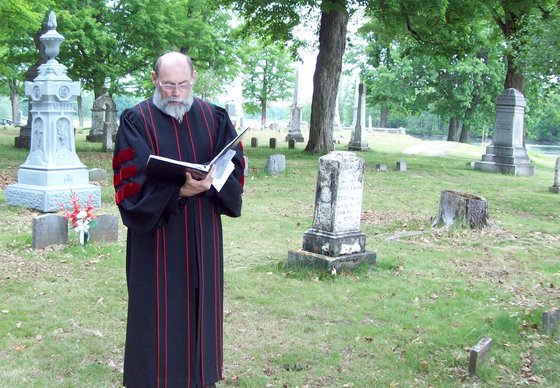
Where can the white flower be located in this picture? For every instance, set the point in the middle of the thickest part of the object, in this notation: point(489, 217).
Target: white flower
point(82, 214)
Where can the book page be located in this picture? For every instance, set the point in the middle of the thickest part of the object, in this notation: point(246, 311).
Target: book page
point(223, 168)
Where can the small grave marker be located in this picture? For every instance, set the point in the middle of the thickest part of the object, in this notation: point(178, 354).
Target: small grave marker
point(272, 142)
point(106, 229)
point(478, 353)
point(49, 229)
point(275, 164)
point(401, 165)
point(381, 167)
point(550, 320)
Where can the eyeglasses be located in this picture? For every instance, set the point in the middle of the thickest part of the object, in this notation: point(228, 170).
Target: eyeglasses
point(170, 86)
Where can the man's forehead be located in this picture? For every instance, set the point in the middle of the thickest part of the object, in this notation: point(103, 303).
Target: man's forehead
point(174, 69)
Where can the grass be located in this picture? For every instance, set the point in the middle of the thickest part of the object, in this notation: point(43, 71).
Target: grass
point(408, 321)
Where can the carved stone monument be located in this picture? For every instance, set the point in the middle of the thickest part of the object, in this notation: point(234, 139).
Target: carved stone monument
point(507, 153)
point(555, 188)
point(294, 128)
point(103, 114)
point(52, 170)
point(356, 142)
point(335, 239)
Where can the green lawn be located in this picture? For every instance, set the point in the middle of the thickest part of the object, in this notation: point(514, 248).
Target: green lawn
point(409, 321)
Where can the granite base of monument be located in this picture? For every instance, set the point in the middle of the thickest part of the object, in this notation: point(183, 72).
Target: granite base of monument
point(506, 160)
point(298, 137)
point(50, 199)
point(351, 261)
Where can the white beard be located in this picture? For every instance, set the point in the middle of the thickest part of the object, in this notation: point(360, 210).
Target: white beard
point(177, 112)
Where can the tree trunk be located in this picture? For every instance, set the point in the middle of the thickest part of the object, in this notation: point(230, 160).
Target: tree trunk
point(15, 107)
point(453, 130)
point(465, 134)
point(461, 209)
point(384, 118)
point(332, 43)
point(514, 76)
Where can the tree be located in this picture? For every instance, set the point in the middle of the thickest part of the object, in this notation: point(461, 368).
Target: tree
point(276, 20)
point(267, 76)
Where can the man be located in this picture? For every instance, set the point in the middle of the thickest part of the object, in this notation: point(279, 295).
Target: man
point(174, 258)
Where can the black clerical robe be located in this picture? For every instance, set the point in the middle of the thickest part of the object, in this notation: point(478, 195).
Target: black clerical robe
point(174, 258)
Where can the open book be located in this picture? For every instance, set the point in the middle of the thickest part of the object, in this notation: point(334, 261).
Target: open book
point(160, 167)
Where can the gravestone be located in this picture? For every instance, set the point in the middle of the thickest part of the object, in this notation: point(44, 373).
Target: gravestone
point(555, 188)
point(335, 239)
point(401, 165)
point(291, 144)
point(49, 229)
point(19, 118)
point(245, 165)
point(381, 167)
point(294, 127)
point(254, 142)
point(507, 153)
point(106, 229)
point(550, 321)
point(97, 175)
point(478, 353)
point(356, 142)
point(103, 116)
point(107, 141)
point(24, 138)
point(272, 142)
point(275, 164)
point(52, 170)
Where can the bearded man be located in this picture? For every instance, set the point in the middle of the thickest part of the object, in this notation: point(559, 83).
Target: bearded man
point(174, 255)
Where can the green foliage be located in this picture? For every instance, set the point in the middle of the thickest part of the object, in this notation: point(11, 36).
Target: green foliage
point(268, 76)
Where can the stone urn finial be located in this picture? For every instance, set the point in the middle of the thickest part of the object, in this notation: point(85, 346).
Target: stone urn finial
point(52, 39)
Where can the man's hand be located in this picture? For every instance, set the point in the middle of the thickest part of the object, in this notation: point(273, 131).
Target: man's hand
point(194, 187)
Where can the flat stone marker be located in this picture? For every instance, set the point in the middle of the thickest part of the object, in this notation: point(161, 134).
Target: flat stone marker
point(49, 229)
point(381, 167)
point(106, 229)
point(275, 164)
point(478, 353)
point(550, 320)
point(401, 165)
point(97, 175)
point(272, 142)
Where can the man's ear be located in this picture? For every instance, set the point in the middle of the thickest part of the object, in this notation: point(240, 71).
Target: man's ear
point(154, 78)
point(194, 77)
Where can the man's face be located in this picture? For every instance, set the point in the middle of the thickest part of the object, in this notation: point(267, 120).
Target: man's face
point(173, 88)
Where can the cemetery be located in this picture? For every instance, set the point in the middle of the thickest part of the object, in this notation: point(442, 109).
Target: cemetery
point(387, 261)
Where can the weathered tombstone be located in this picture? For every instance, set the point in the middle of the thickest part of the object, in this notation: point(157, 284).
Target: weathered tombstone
point(356, 142)
point(461, 209)
point(291, 144)
point(107, 141)
point(254, 142)
point(401, 165)
point(550, 321)
point(49, 229)
point(24, 138)
point(507, 153)
point(97, 175)
point(275, 164)
point(381, 167)
point(478, 353)
point(245, 165)
point(272, 142)
point(555, 188)
point(52, 170)
point(103, 117)
point(19, 118)
point(335, 240)
point(294, 128)
point(106, 229)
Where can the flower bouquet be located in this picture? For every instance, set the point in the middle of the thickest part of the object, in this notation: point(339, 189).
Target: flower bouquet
point(82, 219)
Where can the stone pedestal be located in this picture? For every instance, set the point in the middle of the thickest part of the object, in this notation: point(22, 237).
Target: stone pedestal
point(335, 239)
point(356, 142)
point(294, 128)
point(507, 153)
point(52, 171)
